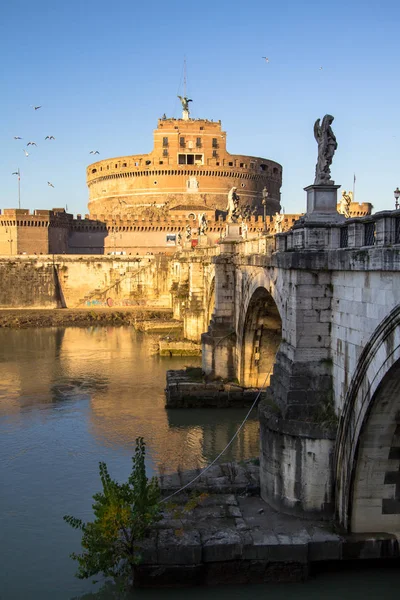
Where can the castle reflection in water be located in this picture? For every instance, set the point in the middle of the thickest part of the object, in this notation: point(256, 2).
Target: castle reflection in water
point(117, 375)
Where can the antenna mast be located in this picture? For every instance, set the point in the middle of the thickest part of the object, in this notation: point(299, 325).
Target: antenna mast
point(184, 77)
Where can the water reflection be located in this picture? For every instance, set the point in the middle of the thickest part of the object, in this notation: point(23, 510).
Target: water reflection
point(68, 399)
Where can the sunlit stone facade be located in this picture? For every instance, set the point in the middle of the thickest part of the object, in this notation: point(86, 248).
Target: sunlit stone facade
point(189, 164)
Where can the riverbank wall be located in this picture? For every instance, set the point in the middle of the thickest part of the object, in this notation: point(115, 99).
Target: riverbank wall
point(143, 319)
point(65, 281)
point(231, 536)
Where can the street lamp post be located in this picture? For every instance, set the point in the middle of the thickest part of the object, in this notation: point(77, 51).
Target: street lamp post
point(264, 203)
point(396, 198)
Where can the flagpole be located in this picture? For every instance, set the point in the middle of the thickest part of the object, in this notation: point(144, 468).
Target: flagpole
point(19, 189)
point(354, 188)
point(19, 186)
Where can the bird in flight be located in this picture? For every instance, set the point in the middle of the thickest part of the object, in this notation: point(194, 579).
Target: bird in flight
point(265, 58)
point(50, 184)
point(49, 137)
point(31, 144)
point(36, 107)
point(16, 137)
point(320, 68)
point(94, 152)
point(15, 173)
point(26, 153)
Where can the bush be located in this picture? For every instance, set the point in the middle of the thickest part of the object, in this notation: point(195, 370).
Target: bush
point(124, 514)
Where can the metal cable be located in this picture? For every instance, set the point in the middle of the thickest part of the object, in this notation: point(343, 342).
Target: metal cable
point(226, 447)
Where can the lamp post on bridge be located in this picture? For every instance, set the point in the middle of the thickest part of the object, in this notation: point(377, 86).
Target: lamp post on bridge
point(396, 198)
point(264, 203)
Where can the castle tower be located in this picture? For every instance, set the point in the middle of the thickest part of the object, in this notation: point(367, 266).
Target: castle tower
point(189, 166)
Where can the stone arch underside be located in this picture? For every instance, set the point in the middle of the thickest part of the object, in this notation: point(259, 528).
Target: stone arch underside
point(368, 442)
point(260, 339)
point(375, 497)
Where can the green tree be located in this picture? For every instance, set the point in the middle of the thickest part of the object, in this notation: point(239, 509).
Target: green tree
point(124, 514)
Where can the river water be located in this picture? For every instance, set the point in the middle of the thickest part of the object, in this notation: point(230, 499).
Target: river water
point(72, 397)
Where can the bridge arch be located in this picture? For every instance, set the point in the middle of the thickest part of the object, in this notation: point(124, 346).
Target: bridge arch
point(259, 329)
point(368, 442)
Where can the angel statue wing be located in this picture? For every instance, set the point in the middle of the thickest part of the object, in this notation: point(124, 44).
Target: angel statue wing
point(185, 101)
point(317, 130)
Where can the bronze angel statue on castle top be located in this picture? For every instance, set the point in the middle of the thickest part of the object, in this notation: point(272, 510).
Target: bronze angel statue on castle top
point(327, 145)
point(185, 102)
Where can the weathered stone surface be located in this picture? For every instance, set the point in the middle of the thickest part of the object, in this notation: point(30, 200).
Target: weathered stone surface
point(182, 547)
point(224, 545)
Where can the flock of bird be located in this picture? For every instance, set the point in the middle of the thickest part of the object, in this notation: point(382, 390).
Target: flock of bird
point(48, 137)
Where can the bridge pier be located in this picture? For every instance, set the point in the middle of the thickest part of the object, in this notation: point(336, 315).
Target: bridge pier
point(219, 342)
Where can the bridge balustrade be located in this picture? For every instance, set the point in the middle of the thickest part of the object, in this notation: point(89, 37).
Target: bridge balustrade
point(379, 230)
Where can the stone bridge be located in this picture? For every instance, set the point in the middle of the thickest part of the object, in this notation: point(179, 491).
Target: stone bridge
point(313, 313)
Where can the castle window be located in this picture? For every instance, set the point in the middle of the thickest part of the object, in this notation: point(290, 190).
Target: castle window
point(214, 154)
point(252, 164)
point(108, 166)
point(116, 166)
point(124, 165)
point(201, 128)
point(136, 164)
point(155, 182)
point(263, 167)
point(160, 162)
point(182, 142)
point(182, 159)
point(198, 142)
point(94, 170)
point(275, 171)
point(230, 164)
point(148, 162)
point(217, 164)
point(214, 143)
point(242, 165)
point(165, 152)
point(165, 142)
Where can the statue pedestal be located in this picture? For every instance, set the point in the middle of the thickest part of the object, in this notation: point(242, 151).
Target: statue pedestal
point(233, 233)
point(203, 241)
point(322, 204)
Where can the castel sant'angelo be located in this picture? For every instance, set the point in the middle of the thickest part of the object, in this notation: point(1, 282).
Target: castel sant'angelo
point(189, 168)
point(175, 196)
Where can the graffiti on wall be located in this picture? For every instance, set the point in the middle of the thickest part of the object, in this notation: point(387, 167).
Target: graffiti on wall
point(110, 302)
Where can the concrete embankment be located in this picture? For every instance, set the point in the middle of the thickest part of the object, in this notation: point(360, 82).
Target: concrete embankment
point(232, 536)
point(155, 319)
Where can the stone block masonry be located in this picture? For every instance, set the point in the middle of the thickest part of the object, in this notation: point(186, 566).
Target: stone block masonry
point(84, 282)
point(233, 536)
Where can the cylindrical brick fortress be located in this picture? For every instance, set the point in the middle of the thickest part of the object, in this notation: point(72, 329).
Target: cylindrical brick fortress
point(189, 165)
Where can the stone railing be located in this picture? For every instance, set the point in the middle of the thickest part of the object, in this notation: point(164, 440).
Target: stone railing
point(265, 245)
point(379, 230)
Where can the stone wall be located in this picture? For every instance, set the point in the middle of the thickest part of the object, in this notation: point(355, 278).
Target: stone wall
point(83, 281)
point(28, 283)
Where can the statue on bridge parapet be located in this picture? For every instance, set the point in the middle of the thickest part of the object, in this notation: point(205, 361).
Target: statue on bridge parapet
point(202, 224)
point(345, 202)
point(278, 219)
point(233, 206)
point(327, 146)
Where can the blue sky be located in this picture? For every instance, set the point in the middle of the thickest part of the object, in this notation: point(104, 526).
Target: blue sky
point(104, 72)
